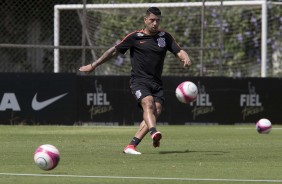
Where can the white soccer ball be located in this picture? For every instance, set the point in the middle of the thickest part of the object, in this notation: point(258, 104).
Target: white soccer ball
point(263, 126)
point(46, 157)
point(186, 92)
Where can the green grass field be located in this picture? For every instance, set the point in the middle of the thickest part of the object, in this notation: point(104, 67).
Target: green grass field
point(188, 154)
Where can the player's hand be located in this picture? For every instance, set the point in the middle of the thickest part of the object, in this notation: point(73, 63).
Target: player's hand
point(86, 68)
point(183, 56)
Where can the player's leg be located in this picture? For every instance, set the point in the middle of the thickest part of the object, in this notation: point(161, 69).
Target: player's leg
point(142, 131)
point(159, 99)
point(143, 128)
point(151, 108)
point(156, 137)
point(140, 134)
point(149, 117)
point(151, 103)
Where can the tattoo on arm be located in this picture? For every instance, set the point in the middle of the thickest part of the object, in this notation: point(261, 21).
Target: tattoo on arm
point(106, 56)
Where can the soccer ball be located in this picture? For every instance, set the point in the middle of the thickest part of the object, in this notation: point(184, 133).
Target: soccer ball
point(263, 126)
point(186, 92)
point(46, 157)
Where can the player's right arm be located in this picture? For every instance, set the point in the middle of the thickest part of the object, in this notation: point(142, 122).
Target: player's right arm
point(112, 52)
point(121, 47)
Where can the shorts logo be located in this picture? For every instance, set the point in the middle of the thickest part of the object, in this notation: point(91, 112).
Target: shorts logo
point(138, 94)
point(161, 42)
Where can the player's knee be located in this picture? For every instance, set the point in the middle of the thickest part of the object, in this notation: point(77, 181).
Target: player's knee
point(147, 103)
point(158, 112)
point(148, 107)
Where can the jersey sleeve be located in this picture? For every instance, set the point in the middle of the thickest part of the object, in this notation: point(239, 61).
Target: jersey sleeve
point(125, 44)
point(172, 45)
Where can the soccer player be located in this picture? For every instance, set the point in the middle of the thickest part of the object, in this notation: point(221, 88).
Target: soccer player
point(148, 48)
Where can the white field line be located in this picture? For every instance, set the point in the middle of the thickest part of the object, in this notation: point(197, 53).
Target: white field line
point(140, 178)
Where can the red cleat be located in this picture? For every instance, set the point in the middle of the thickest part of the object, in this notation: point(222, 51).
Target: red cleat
point(157, 136)
point(131, 149)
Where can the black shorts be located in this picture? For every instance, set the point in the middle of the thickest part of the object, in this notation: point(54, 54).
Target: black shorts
point(141, 89)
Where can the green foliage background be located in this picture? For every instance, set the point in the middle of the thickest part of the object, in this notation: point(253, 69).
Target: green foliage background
point(237, 56)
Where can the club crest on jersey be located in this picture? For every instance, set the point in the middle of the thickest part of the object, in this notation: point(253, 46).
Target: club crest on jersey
point(161, 33)
point(140, 34)
point(138, 94)
point(161, 42)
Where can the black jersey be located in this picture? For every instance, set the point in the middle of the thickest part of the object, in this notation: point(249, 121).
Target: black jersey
point(147, 53)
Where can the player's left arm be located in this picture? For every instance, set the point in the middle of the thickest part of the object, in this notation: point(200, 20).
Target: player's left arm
point(184, 57)
point(178, 51)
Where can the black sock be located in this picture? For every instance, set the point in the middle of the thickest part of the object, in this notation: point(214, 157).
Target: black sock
point(135, 141)
point(152, 130)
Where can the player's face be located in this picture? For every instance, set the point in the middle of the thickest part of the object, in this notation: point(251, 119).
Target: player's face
point(152, 23)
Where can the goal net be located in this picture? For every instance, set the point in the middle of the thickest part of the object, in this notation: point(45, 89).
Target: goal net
point(222, 39)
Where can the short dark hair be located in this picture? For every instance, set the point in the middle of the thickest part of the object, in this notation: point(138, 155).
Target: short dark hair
point(154, 10)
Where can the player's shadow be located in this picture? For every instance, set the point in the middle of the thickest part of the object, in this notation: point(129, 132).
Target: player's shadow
point(193, 151)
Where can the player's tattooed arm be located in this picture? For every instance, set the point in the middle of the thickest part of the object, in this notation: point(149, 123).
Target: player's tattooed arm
point(105, 57)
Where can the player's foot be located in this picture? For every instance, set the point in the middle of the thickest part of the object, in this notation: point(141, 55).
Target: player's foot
point(157, 136)
point(131, 149)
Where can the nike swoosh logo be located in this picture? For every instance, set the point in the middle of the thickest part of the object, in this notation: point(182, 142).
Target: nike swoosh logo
point(40, 105)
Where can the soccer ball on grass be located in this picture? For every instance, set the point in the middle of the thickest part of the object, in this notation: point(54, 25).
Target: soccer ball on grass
point(186, 92)
point(46, 157)
point(263, 126)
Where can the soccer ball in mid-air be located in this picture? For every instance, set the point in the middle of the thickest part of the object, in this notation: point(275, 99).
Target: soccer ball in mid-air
point(46, 157)
point(263, 126)
point(186, 92)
